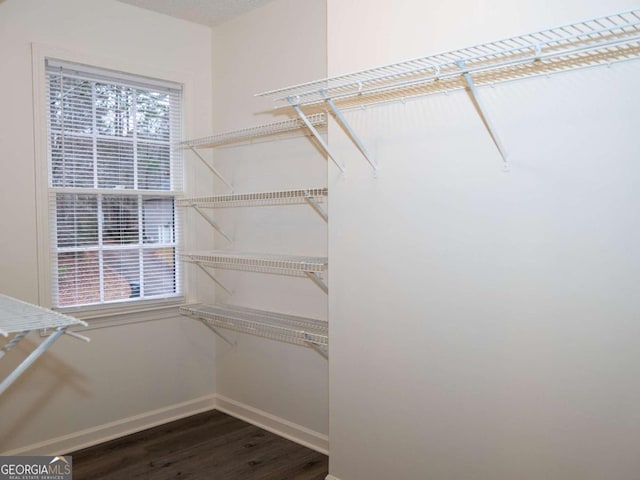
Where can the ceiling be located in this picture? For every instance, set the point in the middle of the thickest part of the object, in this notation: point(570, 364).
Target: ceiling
point(206, 12)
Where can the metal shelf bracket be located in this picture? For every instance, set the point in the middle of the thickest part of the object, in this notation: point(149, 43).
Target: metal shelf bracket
point(318, 348)
point(215, 280)
point(318, 281)
point(316, 206)
point(292, 101)
point(212, 168)
point(349, 131)
point(483, 114)
point(218, 333)
point(210, 221)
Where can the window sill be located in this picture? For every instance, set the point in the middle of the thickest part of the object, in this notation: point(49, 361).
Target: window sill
point(103, 317)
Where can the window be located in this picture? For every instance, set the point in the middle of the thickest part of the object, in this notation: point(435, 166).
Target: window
point(113, 180)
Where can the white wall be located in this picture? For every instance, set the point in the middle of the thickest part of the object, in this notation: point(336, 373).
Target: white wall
point(266, 49)
point(483, 324)
point(162, 366)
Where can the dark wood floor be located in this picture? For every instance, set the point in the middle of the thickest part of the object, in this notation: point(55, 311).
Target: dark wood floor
point(208, 446)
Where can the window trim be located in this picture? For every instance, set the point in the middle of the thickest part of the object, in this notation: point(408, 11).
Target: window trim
point(41, 53)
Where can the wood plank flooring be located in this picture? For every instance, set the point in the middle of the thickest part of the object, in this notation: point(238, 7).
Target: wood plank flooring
point(208, 446)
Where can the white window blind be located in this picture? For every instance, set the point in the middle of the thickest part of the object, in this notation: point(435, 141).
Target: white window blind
point(113, 181)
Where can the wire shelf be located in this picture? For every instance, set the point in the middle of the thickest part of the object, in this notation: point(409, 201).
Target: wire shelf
point(259, 262)
point(275, 326)
point(20, 318)
point(17, 316)
point(247, 134)
point(284, 197)
point(597, 41)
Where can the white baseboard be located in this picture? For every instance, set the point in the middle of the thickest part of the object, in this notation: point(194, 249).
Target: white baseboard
point(284, 428)
point(331, 477)
point(109, 431)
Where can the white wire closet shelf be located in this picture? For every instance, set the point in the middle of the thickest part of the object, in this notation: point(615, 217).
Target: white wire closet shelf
point(597, 41)
point(21, 318)
point(313, 197)
point(290, 265)
point(272, 325)
point(248, 134)
point(18, 316)
point(311, 122)
point(282, 197)
point(259, 262)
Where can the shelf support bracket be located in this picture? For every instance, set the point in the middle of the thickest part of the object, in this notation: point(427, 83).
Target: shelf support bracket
point(212, 223)
point(316, 206)
point(217, 332)
point(319, 349)
point(318, 281)
point(216, 281)
point(347, 128)
point(212, 168)
point(315, 133)
point(33, 356)
point(483, 114)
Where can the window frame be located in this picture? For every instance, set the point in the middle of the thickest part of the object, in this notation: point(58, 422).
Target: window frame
point(124, 311)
